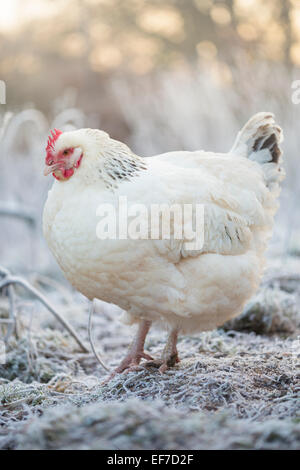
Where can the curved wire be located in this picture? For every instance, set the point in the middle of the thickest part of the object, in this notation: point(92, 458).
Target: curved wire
point(91, 311)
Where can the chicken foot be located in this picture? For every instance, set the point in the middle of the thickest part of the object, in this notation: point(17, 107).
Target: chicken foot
point(169, 355)
point(136, 350)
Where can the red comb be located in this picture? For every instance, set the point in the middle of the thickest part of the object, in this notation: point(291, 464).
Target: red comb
point(52, 139)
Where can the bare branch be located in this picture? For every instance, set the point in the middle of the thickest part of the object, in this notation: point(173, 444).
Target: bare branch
point(18, 211)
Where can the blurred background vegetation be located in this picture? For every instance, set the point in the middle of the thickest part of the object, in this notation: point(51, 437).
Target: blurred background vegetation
point(158, 74)
point(50, 45)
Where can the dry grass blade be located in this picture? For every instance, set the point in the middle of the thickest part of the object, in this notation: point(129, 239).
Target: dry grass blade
point(9, 280)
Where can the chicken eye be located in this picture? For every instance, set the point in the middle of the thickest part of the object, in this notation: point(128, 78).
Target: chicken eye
point(65, 152)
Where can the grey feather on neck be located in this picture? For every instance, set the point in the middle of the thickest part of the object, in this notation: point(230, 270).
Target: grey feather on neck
point(121, 164)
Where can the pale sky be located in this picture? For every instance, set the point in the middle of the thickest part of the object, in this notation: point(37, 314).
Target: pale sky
point(15, 12)
point(8, 14)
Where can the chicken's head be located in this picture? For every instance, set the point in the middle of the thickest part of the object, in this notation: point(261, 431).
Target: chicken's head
point(90, 155)
point(61, 160)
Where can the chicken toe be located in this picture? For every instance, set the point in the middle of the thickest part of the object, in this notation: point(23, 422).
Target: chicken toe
point(136, 351)
point(169, 356)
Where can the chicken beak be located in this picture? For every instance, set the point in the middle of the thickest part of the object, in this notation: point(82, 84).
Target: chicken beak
point(47, 170)
point(51, 168)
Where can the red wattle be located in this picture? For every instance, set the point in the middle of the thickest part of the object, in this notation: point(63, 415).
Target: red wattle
point(67, 173)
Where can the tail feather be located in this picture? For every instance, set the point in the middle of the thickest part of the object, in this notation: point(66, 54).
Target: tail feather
point(259, 140)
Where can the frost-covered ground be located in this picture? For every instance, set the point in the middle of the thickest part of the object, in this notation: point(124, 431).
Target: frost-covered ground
point(236, 387)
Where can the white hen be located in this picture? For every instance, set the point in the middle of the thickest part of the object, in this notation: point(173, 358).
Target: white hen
point(160, 280)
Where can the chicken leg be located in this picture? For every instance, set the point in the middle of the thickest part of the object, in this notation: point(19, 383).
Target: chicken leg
point(169, 355)
point(136, 350)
